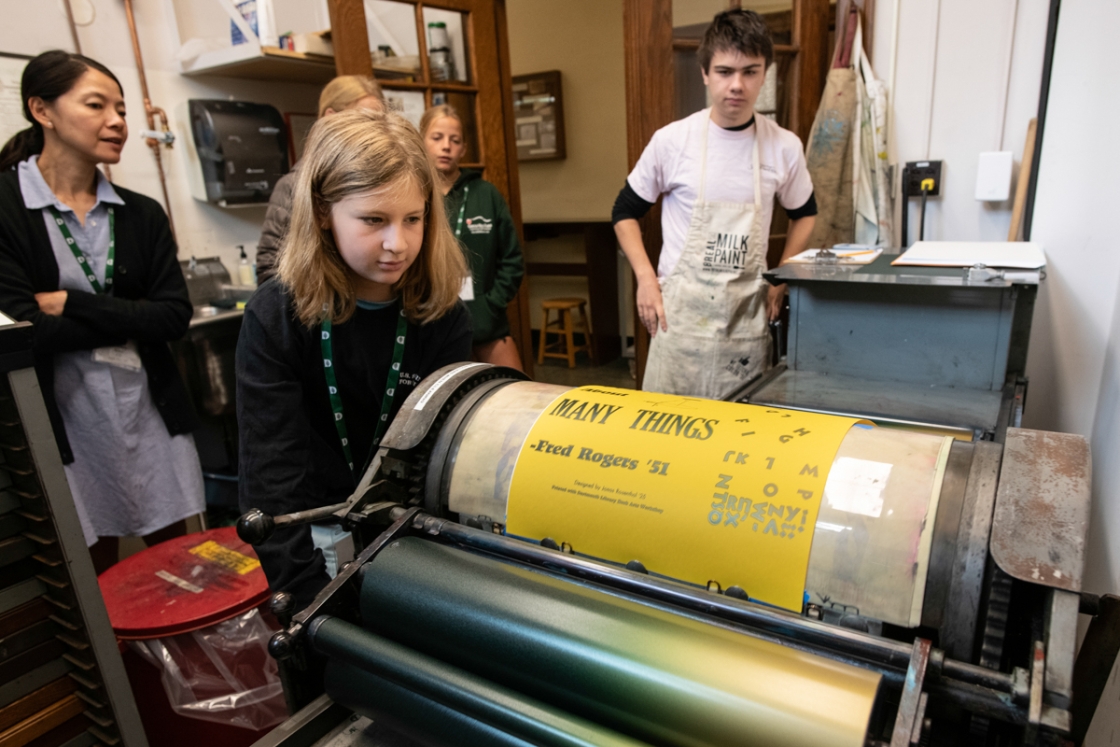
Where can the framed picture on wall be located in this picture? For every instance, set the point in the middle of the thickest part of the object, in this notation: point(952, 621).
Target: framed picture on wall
point(538, 116)
point(298, 127)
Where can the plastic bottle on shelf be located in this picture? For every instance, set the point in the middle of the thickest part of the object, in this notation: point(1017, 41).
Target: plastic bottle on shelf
point(439, 52)
point(246, 273)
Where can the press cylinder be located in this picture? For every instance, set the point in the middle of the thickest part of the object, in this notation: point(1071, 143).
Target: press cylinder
point(639, 670)
point(871, 543)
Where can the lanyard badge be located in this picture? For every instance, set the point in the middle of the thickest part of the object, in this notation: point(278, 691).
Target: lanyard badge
point(462, 211)
point(82, 259)
point(327, 333)
point(467, 291)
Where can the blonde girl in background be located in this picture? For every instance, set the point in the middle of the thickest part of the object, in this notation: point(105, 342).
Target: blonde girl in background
point(366, 305)
point(483, 225)
point(342, 93)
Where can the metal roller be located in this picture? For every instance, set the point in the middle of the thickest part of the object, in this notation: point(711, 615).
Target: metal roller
point(639, 670)
point(935, 605)
point(387, 681)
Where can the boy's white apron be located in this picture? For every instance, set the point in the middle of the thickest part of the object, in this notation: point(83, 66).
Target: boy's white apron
point(715, 297)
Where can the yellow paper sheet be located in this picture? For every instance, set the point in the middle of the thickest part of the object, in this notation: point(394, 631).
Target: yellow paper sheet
point(695, 489)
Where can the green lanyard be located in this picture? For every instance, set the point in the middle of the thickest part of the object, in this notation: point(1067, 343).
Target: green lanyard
point(83, 260)
point(386, 401)
point(462, 210)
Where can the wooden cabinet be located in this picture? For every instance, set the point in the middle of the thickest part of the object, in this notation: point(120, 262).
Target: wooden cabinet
point(482, 93)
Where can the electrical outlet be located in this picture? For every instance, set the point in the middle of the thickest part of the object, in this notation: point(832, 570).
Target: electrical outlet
point(917, 171)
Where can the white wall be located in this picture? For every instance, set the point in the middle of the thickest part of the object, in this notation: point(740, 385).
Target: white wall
point(1075, 352)
point(583, 40)
point(951, 81)
point(203, 230)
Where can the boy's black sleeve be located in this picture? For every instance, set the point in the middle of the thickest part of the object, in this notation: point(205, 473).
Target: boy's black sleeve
point(275, 444)
point(629, 205)
point(806, 210)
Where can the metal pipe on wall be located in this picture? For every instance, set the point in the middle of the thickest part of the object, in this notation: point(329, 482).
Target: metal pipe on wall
point(1043, 102)
point(151, 112)
point(73, 27)
point(78, 49)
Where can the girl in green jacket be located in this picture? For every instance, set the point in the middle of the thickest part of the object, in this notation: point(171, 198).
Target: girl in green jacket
point(482, 222)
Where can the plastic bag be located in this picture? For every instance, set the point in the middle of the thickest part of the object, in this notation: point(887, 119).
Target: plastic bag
point(222, 673)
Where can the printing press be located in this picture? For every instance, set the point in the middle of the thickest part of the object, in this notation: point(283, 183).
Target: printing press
point(940, 598)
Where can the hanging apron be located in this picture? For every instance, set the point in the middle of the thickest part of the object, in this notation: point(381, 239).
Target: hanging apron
point(715, 297)
point(830, 160)
point(877, 104)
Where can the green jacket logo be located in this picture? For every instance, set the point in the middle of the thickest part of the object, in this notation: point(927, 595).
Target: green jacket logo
point(478, 224)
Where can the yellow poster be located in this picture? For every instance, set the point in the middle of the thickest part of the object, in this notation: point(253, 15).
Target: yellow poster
point(694, 489)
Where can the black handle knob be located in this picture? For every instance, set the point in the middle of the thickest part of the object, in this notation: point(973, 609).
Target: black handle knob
point(282, 645)
point(283, 605)
point(737, 592)
point(255, 526)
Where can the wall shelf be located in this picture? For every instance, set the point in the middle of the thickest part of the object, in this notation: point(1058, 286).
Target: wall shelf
point(411, 85)
point(262, 63)
point(272, 63)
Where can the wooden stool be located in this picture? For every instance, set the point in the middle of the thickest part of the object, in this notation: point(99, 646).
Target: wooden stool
point(564, 326)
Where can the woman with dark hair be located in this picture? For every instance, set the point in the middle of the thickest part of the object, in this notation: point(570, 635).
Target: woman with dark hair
point(94, 268)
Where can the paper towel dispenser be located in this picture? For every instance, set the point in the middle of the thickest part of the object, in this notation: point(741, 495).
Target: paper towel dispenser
point(237, 151)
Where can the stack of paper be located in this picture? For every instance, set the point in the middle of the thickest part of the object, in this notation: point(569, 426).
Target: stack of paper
point(853, 256)
point(1022, 255)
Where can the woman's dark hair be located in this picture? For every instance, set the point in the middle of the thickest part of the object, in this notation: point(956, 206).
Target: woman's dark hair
point(47, 76)
point(736, 30)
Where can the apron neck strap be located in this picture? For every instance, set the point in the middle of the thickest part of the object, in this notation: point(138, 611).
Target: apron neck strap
point(756, 165)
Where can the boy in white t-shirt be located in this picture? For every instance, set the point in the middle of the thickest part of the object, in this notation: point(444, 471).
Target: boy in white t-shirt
point(710, 326)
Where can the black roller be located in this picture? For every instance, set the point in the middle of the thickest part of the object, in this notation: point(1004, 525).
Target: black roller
point(382, 679)
point(641, 671)
point(402, 710)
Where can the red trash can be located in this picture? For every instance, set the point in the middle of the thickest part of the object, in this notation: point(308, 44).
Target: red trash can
point(194, 641)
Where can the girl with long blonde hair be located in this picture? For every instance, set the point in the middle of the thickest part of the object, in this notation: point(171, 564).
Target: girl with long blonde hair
point(364, 306)
point(342, 93)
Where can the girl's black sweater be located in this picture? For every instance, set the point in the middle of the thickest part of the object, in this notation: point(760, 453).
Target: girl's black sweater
point(291, 458)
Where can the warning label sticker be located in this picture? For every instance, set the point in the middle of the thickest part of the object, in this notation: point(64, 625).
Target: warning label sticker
point(694, 489)
point(225, 557)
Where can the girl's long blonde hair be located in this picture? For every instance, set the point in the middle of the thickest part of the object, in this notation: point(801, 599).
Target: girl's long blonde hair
point(357, 152)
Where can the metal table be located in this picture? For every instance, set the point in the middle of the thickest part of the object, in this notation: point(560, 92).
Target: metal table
point(925, 346)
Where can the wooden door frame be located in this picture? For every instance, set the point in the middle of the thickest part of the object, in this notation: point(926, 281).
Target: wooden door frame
point(518, 310)
point(487, 40)
point(648, 46)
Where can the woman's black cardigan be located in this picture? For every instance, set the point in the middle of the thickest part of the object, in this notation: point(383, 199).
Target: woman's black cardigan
point(149, 303)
